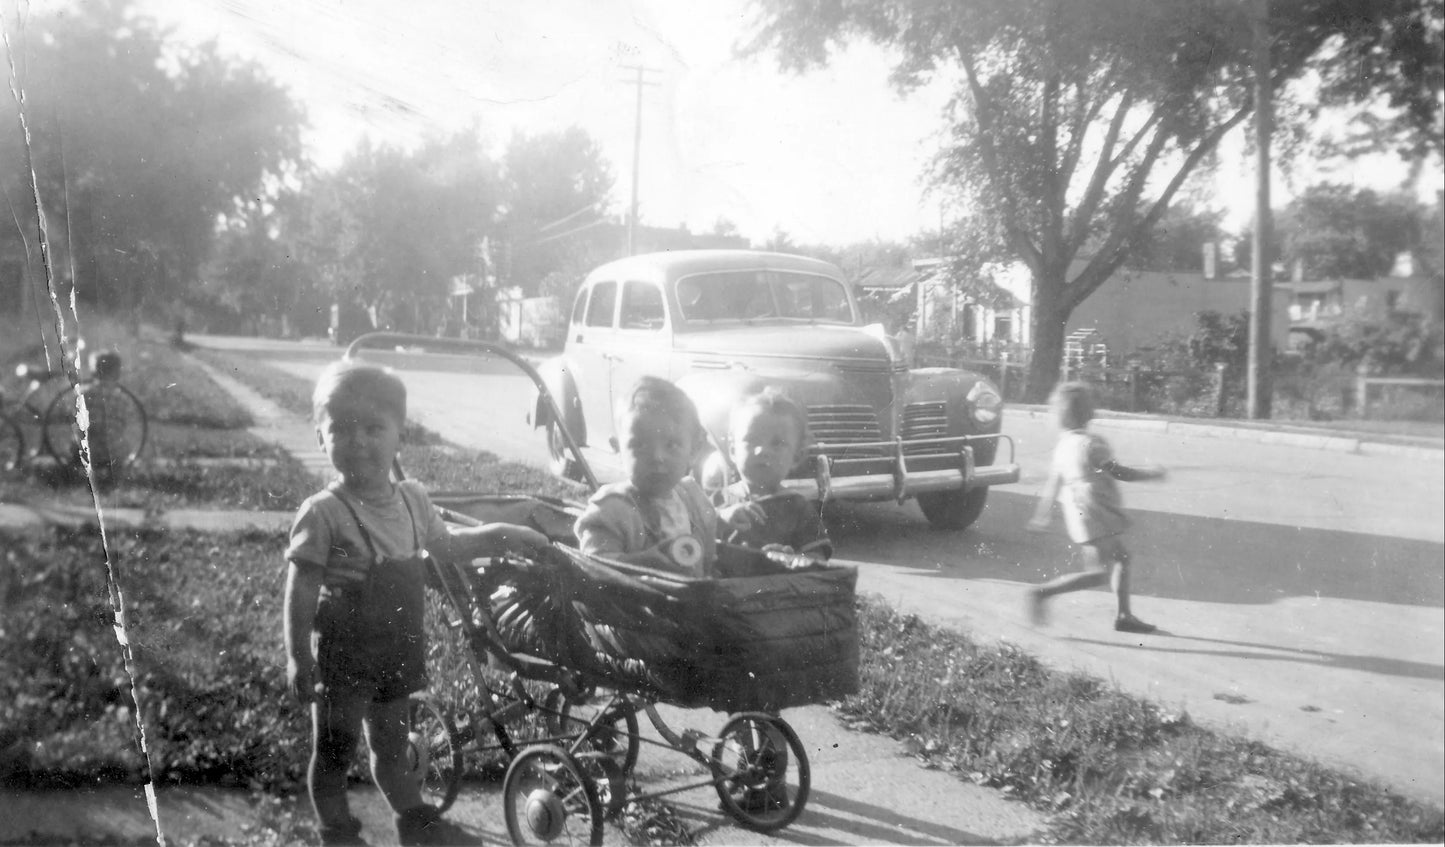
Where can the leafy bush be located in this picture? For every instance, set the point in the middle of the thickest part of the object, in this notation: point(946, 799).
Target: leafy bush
point(1400, 343)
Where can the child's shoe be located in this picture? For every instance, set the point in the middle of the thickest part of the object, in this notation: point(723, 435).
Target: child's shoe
point(417, 825)
point(1129, 623)
point(348, 832)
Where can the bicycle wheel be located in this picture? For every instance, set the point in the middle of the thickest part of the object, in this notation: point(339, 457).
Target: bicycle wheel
point(12, 445)
point(115, 432)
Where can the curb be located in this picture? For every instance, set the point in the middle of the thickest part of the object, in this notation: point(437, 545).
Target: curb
point(1352, 443)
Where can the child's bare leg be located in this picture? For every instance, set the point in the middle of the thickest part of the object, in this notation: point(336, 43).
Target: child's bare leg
point(1094, 573)
point(335, 728)
point(386, 736)
point(1111, 550)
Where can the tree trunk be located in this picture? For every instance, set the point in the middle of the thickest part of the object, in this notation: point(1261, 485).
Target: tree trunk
point(1046, 336)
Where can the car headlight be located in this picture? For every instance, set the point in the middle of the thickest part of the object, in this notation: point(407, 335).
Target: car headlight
point(985, 403)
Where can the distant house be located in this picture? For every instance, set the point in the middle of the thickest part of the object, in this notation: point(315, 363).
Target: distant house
point(1317, 305)
point(1132, 310)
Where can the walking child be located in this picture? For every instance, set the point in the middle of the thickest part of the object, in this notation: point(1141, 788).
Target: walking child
point(1083, 479)
point(660, 516)
point(767, 432)
point(353, 606)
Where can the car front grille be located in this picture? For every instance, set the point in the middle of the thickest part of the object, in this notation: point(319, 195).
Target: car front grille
point(843, 424)
point(925, 420)
point(838, 427)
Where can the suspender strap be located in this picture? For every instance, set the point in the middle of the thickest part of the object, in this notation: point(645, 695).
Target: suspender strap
point(366, 536)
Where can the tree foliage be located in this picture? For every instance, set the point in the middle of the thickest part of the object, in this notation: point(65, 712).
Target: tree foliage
point(1177, 242)
point(138, 149)
point(1338, 231)
point(390, 228)
point(555, 186)
point(1074, 123)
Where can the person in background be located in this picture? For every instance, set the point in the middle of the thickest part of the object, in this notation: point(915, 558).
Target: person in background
point(1084, 479)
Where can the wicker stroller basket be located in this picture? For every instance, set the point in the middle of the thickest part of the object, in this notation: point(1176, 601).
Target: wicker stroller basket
point(762, 639)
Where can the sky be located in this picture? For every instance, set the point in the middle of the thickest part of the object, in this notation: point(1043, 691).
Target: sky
point(830, 157)
point(833, 156)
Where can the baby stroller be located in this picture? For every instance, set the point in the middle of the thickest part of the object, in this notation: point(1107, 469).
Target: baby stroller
point(573, 648)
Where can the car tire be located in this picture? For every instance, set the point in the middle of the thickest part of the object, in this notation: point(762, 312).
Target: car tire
point(953, 509)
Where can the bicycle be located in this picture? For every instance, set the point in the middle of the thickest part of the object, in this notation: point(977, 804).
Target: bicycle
point(26, 414)
point(111, 435)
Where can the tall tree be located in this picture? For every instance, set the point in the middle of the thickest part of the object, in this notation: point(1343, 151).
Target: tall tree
point(556, 185)
point(390, 228)
point(139, 147)
point(1076, 122)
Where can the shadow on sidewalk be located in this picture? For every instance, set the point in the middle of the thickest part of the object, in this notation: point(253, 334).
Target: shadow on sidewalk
point(1181, 557)
point(1160, 642)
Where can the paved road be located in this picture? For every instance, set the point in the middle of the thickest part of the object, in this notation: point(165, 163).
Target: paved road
point(1301, 591)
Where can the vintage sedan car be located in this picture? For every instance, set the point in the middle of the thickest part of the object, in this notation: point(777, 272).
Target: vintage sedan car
point(723, 324)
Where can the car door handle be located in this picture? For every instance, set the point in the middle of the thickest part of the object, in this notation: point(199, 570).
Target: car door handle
point(577, 338)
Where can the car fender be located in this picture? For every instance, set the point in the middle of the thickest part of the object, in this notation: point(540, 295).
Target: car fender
point(560, 383)
point(952, 386)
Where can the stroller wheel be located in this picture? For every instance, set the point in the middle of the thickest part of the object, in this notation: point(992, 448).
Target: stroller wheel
point(607, 780)
point(547, 798)
point(615, 731)
point(760, 771)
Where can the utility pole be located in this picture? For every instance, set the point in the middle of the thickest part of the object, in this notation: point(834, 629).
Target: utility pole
point(1261, 288)
point(639, 82)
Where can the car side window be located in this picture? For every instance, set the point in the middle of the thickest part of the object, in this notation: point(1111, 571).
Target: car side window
point(641, 306)
point(599, 308)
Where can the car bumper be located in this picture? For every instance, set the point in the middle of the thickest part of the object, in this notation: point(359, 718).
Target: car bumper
point(899, 470)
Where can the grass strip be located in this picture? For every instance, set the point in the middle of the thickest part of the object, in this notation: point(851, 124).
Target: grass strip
point(1109, 767)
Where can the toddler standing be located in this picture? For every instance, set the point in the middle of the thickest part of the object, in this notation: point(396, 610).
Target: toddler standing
point(641, 520)
point(1083, 480)
point(354, 592)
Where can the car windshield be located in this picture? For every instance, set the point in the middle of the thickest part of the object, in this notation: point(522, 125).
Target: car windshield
point(748, 295)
